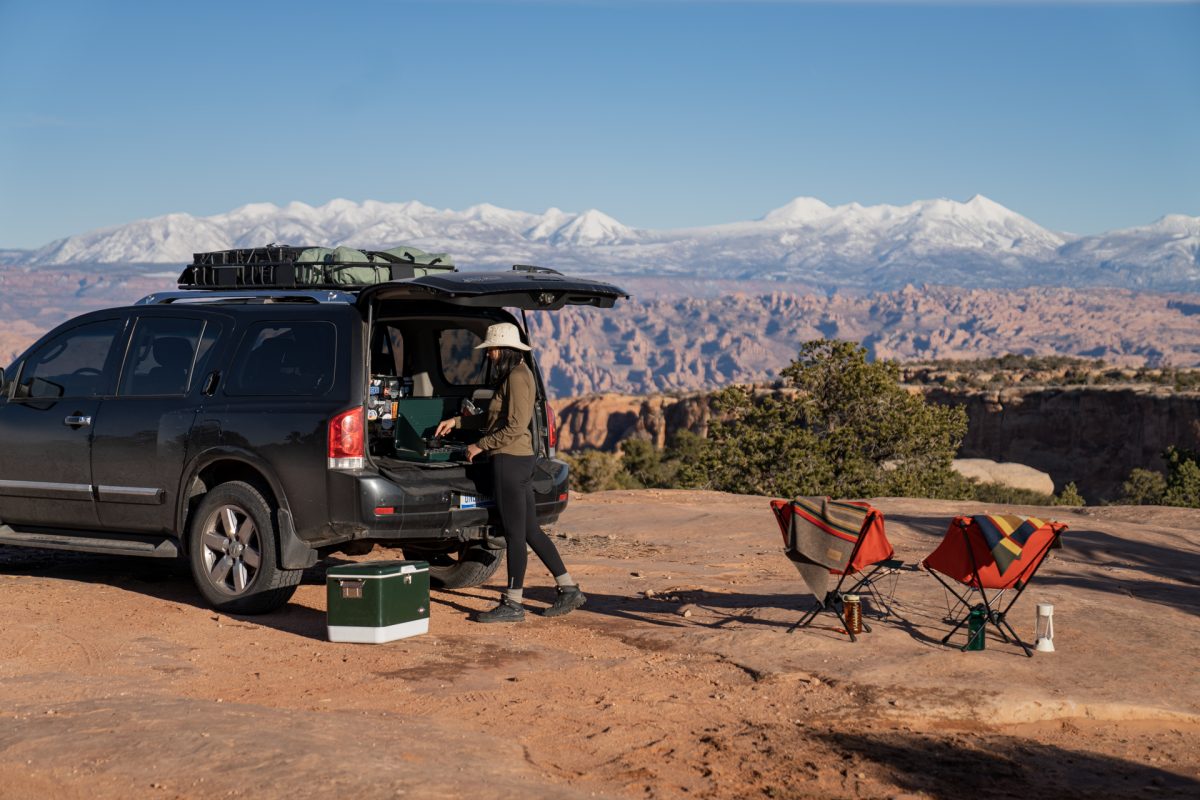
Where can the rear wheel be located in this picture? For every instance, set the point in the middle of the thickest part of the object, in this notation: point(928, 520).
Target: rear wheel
point(458, 566)
point(232, 552)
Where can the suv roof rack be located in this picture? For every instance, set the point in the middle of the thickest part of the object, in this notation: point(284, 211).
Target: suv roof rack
point(248, 297)
point(289, 267)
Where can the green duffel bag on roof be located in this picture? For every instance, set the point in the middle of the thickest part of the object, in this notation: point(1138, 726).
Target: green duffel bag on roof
point(349, 266)
point(342, 266)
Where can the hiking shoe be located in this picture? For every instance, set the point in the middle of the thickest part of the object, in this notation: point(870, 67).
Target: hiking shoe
point(507, 611)
point(569, 598)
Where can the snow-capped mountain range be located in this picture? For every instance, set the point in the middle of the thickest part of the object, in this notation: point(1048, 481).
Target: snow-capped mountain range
point(977, 243)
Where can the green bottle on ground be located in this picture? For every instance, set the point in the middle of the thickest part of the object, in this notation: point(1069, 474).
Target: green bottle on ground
point(976, 624)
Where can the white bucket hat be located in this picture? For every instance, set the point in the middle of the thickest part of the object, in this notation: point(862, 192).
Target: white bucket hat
point(503, 334)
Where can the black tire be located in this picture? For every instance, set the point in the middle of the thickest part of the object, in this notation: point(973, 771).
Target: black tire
point(232, 549)
point(458, 566)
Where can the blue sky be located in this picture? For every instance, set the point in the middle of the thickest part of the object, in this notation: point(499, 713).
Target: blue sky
point(1084, 117)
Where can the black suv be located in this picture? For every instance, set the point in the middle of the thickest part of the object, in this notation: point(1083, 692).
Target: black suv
point(257, 421)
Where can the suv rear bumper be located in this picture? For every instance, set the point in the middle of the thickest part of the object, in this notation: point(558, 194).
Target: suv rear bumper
point(432, 504)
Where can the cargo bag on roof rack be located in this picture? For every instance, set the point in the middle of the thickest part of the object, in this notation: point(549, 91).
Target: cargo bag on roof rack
point(283, 267)
point(341, 266)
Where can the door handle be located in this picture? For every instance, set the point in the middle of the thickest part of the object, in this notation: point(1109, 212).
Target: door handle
point(78, 421)
point(210, 384)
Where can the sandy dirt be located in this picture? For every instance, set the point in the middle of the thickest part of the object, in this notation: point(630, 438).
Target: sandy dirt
point(677, 679)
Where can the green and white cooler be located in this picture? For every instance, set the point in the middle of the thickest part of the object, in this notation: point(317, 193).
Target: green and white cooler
point(377, 601)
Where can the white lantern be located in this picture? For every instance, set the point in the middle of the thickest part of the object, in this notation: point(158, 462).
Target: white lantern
point(1043, 629)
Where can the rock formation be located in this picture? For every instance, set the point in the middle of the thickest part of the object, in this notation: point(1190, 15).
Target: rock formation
point(670, 344)
point(1090, 435)
point(602, 421)
point(1093, 436)
point(1006, 473)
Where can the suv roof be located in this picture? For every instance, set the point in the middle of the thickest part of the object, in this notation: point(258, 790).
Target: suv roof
point(284, 274)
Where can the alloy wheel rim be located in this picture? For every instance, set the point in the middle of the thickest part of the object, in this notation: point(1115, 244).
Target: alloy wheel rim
point(231, 549)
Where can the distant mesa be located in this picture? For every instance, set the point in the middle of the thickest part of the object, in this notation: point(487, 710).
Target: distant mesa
point(805, 242)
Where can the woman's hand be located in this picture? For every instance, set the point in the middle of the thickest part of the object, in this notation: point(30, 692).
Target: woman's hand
point(444, 427)
point(473, 451)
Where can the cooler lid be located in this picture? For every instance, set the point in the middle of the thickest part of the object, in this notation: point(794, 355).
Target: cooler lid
point(376, 569)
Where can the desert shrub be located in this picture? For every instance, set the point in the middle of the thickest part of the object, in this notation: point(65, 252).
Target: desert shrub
point(1183, 478)
point(850, 431)
point(643, 463)
point(684, 451)
point(1012, 495)
point(1000, 493)
point(1144, 487)
point(597, 471)
point(1069, 496)
point(1179, 487)
point(652, 468)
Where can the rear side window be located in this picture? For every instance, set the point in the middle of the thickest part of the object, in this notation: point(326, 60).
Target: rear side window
point(161, 356)
point(71, 365)
point(296, 359)
point(462, 364)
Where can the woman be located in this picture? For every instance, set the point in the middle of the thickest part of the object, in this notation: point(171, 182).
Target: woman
point(509, 442)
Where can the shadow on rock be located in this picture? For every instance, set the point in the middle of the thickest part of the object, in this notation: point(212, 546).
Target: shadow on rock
point(987, 767)
point(169, 580)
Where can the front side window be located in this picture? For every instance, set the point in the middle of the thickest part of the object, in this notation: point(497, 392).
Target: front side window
point(70, 365)
point(286, 358)
point(462, 364)
point(161, 356)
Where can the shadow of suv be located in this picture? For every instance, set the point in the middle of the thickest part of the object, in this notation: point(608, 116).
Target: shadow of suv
point(257, 421)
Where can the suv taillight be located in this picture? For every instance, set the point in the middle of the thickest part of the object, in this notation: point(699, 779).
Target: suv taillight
point(346, 440)
point(551, 429)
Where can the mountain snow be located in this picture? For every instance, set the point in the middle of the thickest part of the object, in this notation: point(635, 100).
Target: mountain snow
point(974, 243)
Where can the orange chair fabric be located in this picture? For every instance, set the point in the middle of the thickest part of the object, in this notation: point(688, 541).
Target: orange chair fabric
point(1005, 549)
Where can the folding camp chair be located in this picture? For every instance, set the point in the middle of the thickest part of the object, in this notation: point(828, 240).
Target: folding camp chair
point(824, 537)
point(997, 552)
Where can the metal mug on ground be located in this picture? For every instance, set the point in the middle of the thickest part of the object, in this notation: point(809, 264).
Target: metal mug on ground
point(852, 613)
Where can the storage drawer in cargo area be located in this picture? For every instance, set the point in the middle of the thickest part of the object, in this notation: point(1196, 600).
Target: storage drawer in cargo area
point(377, 601)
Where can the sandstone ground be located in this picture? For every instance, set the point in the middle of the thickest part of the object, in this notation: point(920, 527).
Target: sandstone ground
point(678, 679)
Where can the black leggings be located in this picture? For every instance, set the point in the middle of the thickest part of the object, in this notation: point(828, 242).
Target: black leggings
point(513, 477)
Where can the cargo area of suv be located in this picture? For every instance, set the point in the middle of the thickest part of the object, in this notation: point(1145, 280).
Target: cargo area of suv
point(278, 408)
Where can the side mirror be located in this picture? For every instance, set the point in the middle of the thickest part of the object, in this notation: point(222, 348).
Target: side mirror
point(3, 385)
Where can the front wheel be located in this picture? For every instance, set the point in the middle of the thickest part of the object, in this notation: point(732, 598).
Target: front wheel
point(459, 566)
point(231, 549)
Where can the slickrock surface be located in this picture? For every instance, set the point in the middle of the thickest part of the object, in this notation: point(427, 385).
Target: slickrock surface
point(677, 679)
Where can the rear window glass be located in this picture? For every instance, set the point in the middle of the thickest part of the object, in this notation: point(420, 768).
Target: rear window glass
point(161, 356)
point(296, 359)
point(462, 364)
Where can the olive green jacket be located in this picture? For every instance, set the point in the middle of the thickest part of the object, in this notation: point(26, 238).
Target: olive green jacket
point(505, 425)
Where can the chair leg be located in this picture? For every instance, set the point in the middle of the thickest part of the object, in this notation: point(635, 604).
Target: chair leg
point(998, 621)
point(954, 630)
point(810, 615)
point(1001, 621)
